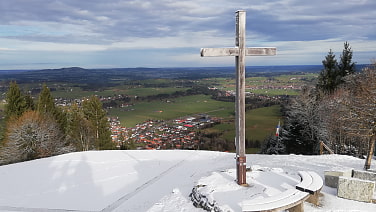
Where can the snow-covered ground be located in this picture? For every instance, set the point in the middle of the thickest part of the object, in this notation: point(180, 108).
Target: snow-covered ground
point(159, 180)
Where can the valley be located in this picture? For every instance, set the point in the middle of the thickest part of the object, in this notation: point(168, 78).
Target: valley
point(136, 96)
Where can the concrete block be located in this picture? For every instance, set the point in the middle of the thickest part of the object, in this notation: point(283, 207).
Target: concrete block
point(331, 177)
point(355, 189)
point(372, 170)
point(365, 175)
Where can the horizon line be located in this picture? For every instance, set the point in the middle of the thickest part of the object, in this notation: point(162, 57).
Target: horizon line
point(104, 68)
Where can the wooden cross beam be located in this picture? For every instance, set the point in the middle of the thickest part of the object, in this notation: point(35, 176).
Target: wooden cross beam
point(253, 51)
point(239, 51)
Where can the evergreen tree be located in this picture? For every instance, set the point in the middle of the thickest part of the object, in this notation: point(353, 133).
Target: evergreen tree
point(15, 107)
point(46, 106)
point(16, 104)
point(46, 103)
point(333, 73)
point(80, 131)
point(29, 102)
point(61, 118)
point(273, 145)
point(126, 142)
point(346, 66)
point(95, 114)
point(327, 80)
point(105, 140)
point(301, 123)
point(295, 138)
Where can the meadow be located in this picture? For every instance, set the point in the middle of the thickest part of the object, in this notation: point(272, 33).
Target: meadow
point(260, 123)
point(172, 109)
point(77, 92)
point(271, 86)
point(275, 92)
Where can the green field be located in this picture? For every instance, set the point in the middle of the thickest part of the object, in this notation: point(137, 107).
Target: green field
point(175, 108)
point(260, 123)
point(151, 91)
point(298, 77)
point(257, 83)
point(76, 92)
point(272, 92)
point(72, 93)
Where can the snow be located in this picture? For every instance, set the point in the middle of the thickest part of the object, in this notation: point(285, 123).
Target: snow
point(160, 180)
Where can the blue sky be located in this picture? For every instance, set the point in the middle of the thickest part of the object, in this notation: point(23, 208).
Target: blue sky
point(169, 33)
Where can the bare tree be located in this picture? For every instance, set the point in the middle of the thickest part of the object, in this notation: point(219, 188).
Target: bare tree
point(359, 117)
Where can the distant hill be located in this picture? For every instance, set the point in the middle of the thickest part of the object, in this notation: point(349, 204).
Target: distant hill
point(104, 76)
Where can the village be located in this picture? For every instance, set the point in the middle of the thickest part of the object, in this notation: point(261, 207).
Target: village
point(159, 134)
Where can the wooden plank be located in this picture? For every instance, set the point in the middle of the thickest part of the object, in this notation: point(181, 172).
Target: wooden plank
point(261, 51)
point(218, 52)
point(234, 51)
point(322, 144)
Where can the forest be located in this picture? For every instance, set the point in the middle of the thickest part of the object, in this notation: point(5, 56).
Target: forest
point(340, 111)
point(42, 129)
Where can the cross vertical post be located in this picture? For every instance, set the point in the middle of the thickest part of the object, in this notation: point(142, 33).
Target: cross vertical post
point(239, 51)
point(240, 99)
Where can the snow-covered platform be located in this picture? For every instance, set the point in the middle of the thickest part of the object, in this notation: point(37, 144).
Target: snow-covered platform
point(155, 180)
point(268, 189)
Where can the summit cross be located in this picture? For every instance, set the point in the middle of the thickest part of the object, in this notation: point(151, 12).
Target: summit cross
point(239, 51)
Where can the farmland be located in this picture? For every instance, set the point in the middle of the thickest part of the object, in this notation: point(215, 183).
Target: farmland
point(286, 84)
point(260, 123)
point(77, 92)
point(171, 109)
